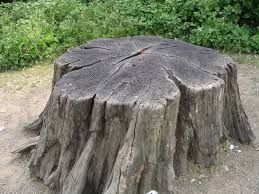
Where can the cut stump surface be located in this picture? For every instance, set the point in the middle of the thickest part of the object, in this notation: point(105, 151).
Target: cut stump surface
point(126, 114)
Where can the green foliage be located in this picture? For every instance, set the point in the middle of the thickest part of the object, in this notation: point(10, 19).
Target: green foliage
point(39, 29)
point(217, 24)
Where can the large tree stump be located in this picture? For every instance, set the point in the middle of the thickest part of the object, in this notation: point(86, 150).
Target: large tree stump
point(125, 115)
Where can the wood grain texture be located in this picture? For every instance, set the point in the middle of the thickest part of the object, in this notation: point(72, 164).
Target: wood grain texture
point(126, 114)
point(27, 146)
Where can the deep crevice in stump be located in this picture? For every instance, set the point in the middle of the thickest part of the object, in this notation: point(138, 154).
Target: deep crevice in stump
point(125, 114)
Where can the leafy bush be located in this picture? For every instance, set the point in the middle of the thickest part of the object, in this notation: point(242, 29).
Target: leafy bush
point(39, 29)
point(218, 24)
point(28, 31)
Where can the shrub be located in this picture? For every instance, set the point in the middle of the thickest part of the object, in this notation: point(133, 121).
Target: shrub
point(39, 29)
point(36, 30)
point(218, 24)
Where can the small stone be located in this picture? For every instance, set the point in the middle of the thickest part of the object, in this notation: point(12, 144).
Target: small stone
point(202, 176)
point(193, 180)
point(199, 182)
point(239, 151)
point(1, 128)
point(152, 192)
point(33, 85)
point(257, 149)
point(226, 168)
point(2, 111)
point(231, 147)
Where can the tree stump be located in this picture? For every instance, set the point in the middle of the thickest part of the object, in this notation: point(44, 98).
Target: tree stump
point(126, 114)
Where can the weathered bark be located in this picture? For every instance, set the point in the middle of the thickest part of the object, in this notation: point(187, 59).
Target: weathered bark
point(126, 114)
point(27, 146)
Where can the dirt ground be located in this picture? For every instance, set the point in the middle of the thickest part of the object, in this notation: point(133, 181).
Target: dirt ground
point(23, 95)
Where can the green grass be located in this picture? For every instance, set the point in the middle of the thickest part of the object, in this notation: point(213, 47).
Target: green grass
point(246, 58)
point(193, 168)
point(40, 73)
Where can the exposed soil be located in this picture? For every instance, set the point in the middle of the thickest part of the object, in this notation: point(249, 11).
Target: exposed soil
point(23, 96)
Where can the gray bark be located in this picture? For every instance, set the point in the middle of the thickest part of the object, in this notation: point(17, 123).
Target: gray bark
point(27, 146)
point(126, 114)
